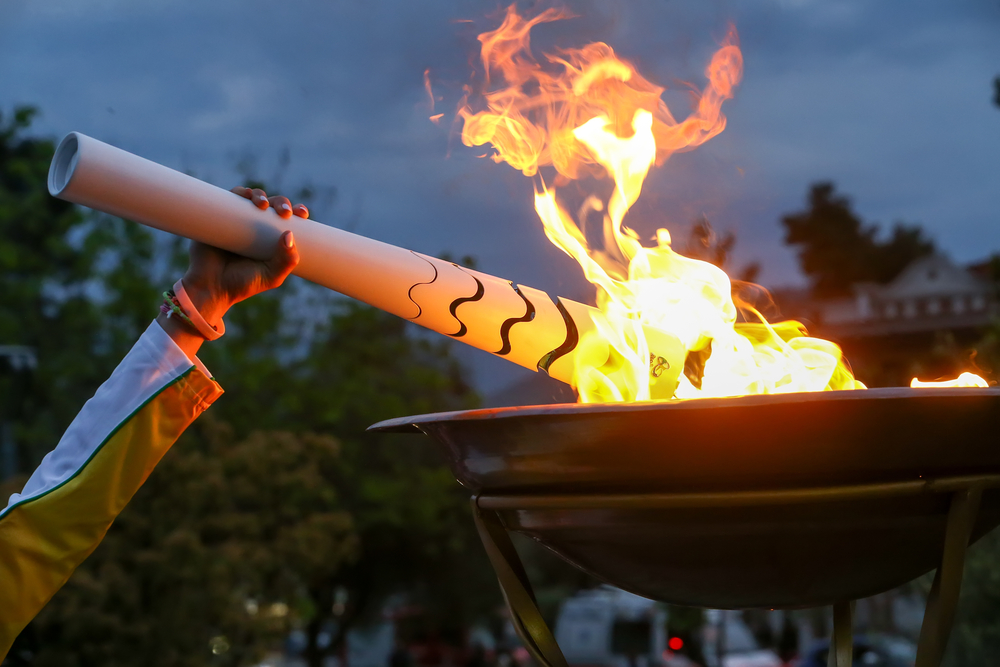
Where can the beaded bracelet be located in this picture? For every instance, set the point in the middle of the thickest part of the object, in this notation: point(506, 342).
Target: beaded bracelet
point(170, 307)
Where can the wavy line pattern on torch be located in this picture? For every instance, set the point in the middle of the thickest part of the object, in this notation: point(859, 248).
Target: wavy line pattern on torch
point(568, 345)
point(409, 292)
point(480, 291)
point(529, 314)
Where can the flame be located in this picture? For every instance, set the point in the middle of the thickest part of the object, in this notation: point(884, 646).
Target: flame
point(963, 380)
point(587, 114)
point(435, 117)
point(427, 87)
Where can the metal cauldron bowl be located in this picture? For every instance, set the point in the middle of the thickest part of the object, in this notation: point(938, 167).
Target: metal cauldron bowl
point(776, 501)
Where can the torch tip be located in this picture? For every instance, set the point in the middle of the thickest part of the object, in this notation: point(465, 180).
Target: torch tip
point(64, 163)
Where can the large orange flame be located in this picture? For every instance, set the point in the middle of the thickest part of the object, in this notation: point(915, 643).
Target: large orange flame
point(588, 113)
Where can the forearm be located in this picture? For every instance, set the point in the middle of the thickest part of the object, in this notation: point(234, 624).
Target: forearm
point(188, 341)
point(106, 454)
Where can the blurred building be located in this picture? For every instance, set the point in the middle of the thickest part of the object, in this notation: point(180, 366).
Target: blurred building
point(931, 294)
point(921, 322)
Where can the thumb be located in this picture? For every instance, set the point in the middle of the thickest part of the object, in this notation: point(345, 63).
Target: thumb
point(281, 263)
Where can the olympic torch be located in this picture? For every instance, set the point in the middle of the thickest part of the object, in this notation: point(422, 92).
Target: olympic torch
point(516, 322)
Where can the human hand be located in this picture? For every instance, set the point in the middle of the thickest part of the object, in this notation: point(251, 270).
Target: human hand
point(281, 205)
point(217, 279)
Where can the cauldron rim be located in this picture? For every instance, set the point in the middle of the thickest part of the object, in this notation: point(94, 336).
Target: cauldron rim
point(412, 424)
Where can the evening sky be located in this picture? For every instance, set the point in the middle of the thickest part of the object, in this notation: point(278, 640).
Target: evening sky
point(891, 100)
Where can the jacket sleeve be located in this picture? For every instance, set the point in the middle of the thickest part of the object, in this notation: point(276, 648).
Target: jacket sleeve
point(106, 454)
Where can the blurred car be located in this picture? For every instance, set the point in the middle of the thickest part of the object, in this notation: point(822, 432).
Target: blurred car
point(608, 627)
point(672, 659)
point(869, 651)
point(757, 658)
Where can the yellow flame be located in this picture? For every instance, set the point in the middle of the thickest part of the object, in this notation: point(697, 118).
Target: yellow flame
point(587, 113)
point(963, 380)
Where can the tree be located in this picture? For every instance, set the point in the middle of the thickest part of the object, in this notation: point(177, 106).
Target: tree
point(55, 264)
point(414, 522)
point(975, 639)
point(207, 563)
point(837, 250)
point(705, 244)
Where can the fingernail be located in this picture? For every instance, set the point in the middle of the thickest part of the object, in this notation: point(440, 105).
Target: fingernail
point(289, 241)
point(286, 207)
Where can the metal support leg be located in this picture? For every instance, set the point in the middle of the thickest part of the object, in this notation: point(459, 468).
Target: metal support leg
point(842, 641)
point(516, 588)
point(943, 598)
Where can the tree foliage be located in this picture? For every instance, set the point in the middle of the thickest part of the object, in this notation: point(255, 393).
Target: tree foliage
point(271, 504)
point(208, 557)
point(413, 521)
point(837, 250)
point(53, 262)
point(976, 638)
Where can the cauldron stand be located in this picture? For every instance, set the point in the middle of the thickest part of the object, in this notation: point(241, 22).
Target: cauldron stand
point(942, 600)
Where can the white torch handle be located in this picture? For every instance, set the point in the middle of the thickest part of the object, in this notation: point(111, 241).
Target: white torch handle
point(518, 323)
point(92, 173)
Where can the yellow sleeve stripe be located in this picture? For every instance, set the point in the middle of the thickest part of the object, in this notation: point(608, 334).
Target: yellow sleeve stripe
point(43, 538)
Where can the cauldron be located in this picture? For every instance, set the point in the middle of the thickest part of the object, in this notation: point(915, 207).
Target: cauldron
point(777, 501)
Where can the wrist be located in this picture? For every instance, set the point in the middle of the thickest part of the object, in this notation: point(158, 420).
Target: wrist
point(187, 340)
point(212, 305)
